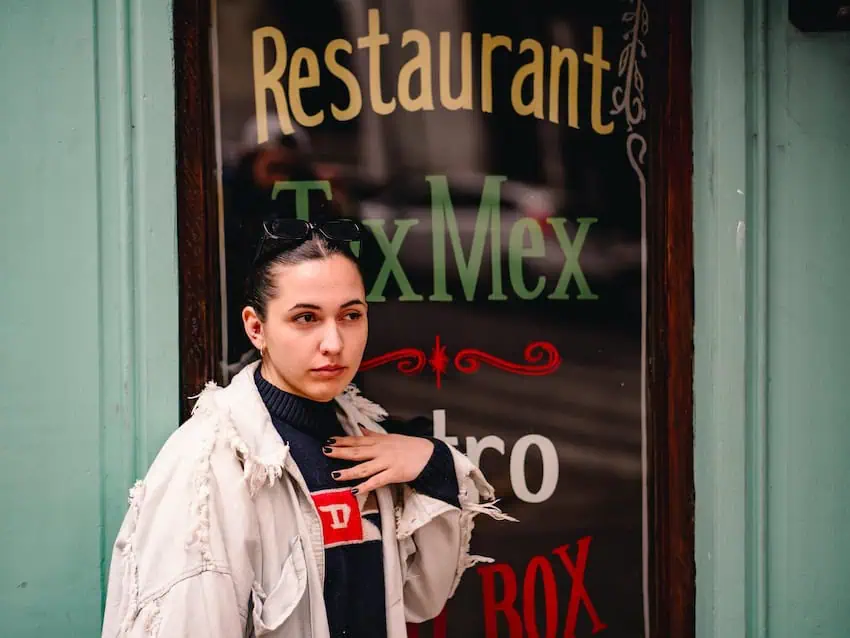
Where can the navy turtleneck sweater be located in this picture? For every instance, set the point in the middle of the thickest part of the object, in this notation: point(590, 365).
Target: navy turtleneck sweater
point(354, 572)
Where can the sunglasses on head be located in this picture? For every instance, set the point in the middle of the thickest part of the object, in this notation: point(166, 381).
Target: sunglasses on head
point(300, 230)
point(284, 234)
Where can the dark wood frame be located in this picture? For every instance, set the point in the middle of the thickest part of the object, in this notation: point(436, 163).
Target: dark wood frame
point(670, 280)
point(670, 283)
point(197, 207)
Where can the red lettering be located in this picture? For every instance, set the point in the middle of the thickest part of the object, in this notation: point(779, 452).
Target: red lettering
point(506, 606)
point(550, 597)
point(578, 594)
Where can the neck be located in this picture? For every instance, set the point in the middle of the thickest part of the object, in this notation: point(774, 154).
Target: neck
point(312, 417)
point(271, 374)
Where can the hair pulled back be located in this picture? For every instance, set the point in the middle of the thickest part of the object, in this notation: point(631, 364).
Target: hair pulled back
point(262, 284)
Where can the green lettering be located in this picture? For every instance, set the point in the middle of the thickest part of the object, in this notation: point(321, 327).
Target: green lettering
point(517, 251)
point(443, 219)
point(571, 250)
point(391, 265)
point(302, 192)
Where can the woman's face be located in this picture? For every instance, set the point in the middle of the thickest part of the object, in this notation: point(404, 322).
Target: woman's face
point(315, 329)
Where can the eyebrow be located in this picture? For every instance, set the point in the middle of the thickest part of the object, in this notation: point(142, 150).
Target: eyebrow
point(312, 306)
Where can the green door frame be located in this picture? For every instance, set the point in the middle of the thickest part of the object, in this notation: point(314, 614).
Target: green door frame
point(730, 228)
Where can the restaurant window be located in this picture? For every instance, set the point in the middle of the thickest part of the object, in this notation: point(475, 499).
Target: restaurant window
point(523, 172)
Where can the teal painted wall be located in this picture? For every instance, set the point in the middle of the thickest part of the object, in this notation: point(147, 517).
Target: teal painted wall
point(772, 231)
point(88, 317)
point(808, 353)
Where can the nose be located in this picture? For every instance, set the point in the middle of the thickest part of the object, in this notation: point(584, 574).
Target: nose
point(331, 340)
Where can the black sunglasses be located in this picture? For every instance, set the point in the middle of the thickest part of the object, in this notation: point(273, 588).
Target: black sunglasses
point(292, 232)
point(298, 229)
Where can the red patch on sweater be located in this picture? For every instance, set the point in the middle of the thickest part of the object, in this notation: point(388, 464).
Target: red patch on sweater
point(342, 522)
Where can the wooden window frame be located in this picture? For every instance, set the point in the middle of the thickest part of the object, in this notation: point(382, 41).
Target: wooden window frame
point(670, 279)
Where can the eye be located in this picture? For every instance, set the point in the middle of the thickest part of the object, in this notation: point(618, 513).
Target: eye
point(352, 315)
point(306, 317)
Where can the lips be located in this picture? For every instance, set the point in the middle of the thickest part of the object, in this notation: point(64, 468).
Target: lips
point(328, 372)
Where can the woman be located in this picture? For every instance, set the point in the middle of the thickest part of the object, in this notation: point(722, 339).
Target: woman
point(281, 508)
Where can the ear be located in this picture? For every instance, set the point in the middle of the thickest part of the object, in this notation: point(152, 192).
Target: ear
point(253, 327)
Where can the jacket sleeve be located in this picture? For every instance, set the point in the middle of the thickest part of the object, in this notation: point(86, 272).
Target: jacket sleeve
point(179, 567)
point(202, 605)
point(430, 530)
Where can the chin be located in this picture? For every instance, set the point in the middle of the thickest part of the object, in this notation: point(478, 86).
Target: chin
point(327, 390)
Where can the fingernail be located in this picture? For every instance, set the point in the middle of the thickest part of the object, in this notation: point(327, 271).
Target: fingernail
point(330, 441)
point(326, 450)
point(335, 474)
point(354, 491)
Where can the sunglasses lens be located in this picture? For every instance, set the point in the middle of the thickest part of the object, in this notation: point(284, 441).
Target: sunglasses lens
point(341, 230)
point(287, 228)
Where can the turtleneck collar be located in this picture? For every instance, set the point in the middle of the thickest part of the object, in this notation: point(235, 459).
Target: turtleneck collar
point(312, 417)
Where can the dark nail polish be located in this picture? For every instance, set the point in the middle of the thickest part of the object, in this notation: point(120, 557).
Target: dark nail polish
point(326, 450)
point(354, 491)
point(330, 441)
point(335, 474)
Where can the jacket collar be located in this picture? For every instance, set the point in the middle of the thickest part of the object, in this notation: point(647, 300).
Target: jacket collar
point(244, 421)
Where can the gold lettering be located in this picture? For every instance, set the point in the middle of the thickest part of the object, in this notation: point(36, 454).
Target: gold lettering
point(374, 41)
point(298, 82)
point(490, 43)
point(599, 64)
point(269, 80)
point(558, 57)
point(464, 100)
point(355, 98)
point(421, 64)
point(535, 70)
point(415, 90)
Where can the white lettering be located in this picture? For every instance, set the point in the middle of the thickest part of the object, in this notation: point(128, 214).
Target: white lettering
point(550, 468)
point(440, 428)
point(518, 458)
point(474, 448)
point(340, 514)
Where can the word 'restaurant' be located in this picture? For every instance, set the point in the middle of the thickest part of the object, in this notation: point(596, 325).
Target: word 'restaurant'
point(285, 77)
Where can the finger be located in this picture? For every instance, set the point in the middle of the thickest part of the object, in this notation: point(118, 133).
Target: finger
point(367, 432)
point(359, 453)
point(350, 441)
point(361, 471)
point(379, 480)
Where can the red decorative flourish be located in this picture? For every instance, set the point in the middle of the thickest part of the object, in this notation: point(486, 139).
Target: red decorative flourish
point(410, 361)
point(439, 361)
point(542, 358)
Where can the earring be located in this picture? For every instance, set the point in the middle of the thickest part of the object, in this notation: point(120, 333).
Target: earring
point(262, 351)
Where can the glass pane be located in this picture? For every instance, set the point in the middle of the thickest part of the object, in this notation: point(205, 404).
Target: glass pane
point(495, 152)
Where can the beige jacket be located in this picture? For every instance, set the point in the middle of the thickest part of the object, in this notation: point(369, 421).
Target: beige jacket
point(222, 538)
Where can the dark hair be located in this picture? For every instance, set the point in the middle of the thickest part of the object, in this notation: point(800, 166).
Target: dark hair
point(261, 286)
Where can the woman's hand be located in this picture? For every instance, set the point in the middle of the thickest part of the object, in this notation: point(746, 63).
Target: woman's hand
point(382, 459)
